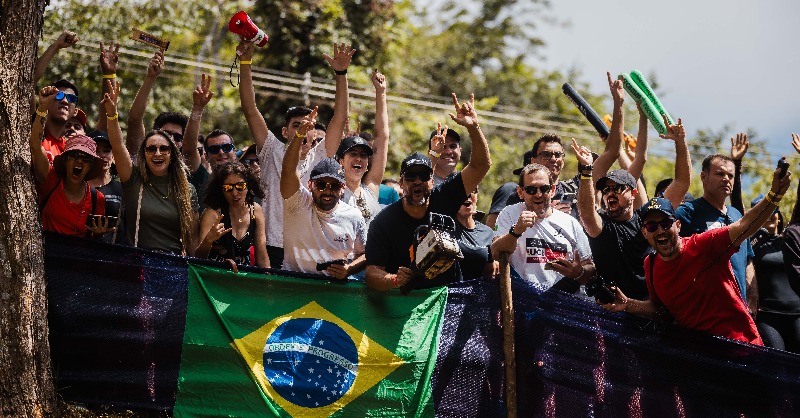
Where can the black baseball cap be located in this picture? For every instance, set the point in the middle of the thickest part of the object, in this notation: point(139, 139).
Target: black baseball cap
point(658, 204)
point(449, 134)
point(352, 142)
point(415, 159)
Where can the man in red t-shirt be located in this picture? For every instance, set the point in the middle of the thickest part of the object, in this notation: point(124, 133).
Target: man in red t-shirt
point(691, 278)
point(60, 111)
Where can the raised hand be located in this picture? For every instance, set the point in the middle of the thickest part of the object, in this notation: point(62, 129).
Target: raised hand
point(568, 268)
point(438, 140)
point(342, 54)
point(245, 51)
point(46, 96)
point(308, 123)
point(217, 229)
point(156, 64)
point(66, 39)
point(202, 94)
point(465, 113)
point(583, 154)
point(617, 89)
point(796, 142)
point(378, 81)
point(109, 101)
point(739, 146)
point(100, 226)
point(348, 132)
point(109, 58)
point(674, 132)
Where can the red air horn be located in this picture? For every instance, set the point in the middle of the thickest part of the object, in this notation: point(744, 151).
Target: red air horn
point(242, 25)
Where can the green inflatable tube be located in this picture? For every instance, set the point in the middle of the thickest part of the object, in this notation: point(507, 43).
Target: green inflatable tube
point(638, 78)
point(641, 99)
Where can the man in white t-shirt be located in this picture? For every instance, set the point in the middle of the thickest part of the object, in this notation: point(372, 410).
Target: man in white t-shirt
point(320, 232)
point(271, 149)
point(548, 247)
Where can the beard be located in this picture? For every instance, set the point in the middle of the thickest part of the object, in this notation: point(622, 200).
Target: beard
point(325, 202)
point(417, 195)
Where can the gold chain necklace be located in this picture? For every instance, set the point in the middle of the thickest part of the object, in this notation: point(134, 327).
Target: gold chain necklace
point(158, 192)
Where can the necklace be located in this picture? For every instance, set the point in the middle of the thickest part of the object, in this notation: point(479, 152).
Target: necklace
point(158, 192)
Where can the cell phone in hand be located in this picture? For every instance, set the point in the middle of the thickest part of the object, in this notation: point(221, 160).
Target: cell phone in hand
point(112, 220)
point(568, 198)
point(325, 265)
point(783, 166)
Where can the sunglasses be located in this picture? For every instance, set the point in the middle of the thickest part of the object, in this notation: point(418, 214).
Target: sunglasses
point(79, 156)
point(240, 186)
point(217, 149)
point(321, 185)
point(250, 161)
point(151, 149)
point(70, 97)
point(176, 136)
point(618, 189)
point(531, 190)
point(548, 154)
point(414, 176)
point(653, 226)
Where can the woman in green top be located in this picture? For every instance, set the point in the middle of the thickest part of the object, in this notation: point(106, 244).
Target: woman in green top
point(161, 205)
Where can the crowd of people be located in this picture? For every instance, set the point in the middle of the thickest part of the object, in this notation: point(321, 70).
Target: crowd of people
point(313, 199)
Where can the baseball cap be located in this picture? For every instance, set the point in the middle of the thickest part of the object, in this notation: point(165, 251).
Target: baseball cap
point(658, 204)
point(352, 142)
point(99, 135)
point(328, 168)
point(415, 159)
point(617, 176)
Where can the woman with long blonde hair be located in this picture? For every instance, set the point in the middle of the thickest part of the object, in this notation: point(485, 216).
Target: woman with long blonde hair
point(160, 204)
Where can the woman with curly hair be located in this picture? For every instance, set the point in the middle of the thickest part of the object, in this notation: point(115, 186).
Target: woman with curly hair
point(161, 205)
point(232, 225)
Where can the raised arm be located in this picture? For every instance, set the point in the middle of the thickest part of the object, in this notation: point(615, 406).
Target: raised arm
point(290, 179)
point(739, 146)
point(108, 67)
point(339, 62)
point(755, 217)
point(683, 163)
point(611, 152)
point(65, 40)
point(590, 219)
point(637, 165)
point(136, 127)
point(122, 159)
point(381, 149)
point(247, 95)
point(41, 165)
point(479, 160)
point(200, 97)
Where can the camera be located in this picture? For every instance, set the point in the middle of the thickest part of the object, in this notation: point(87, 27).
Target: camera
point(435, 249)
point(599, 288)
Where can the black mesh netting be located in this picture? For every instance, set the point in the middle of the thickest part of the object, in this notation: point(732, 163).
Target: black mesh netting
point(117, 317)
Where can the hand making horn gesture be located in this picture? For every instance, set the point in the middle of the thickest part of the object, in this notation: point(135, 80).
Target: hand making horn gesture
point(465, 113)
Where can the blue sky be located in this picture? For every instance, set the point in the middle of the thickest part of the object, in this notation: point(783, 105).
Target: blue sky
point(717, 61)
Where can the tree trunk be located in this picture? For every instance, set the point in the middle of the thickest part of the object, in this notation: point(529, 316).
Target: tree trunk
point(26, 384)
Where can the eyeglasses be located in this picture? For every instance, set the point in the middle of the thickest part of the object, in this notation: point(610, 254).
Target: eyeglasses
point(618, 189)
point(240, 186)
point(70, 97)
point(250, 161)
point(549, 154)
point(216, 149)
point(79, 156)
point(664, 224)
point(321, 185)
point(151, 149)
point(414, 176)
point(531, 190)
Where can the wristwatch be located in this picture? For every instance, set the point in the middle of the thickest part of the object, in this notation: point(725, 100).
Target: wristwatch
point(582, 168)
point(514, 234)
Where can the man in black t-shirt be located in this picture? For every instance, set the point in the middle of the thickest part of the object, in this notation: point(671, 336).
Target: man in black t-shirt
point(615, 236)
point(391, 234)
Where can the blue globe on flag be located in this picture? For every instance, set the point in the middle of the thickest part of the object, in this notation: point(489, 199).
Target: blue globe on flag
point(310, 362)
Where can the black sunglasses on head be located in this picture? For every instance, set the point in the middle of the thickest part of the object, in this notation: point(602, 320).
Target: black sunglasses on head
point(216, 149)
point(531, 190)
point(664, 224)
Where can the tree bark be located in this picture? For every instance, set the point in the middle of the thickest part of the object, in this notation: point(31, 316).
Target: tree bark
point(26, 384)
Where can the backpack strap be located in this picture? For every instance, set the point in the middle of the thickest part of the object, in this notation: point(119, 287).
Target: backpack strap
point(50, 193)
point(93, 192)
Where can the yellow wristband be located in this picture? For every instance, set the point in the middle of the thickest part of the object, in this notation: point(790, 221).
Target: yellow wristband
point(298, 135)
point(586, 176)
point(245, 62)
point(109, 76)
point(115, 117)
point(42, 114)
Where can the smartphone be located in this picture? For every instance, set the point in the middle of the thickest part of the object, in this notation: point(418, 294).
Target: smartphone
point(568, 198)
point(112, 220)
point(783, 166)
point(325, 265)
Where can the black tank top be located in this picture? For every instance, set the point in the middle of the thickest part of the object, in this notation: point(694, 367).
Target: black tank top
point(229, 247)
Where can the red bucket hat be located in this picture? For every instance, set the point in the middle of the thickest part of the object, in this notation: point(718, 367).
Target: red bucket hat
point(85, 145)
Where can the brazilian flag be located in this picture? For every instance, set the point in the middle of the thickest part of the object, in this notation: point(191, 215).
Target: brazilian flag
point(260, 345)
